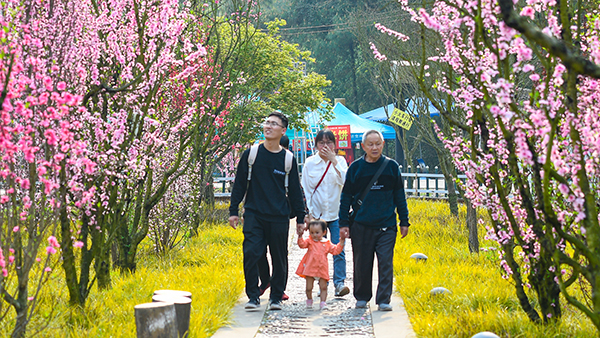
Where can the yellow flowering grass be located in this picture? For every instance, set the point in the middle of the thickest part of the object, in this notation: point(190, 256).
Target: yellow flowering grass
point(481, 300)
point(209, 266)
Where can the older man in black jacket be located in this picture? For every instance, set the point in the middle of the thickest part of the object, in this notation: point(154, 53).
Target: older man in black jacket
point(374, 228)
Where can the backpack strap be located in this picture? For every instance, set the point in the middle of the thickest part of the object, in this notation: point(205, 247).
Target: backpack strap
point(251, 159)
point(288, 163)
point(288, 167)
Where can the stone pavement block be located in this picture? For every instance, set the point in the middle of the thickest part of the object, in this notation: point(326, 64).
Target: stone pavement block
point(243, 324)
point(392, 324)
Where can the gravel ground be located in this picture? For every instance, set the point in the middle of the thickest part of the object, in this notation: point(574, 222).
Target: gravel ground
point(339, 319)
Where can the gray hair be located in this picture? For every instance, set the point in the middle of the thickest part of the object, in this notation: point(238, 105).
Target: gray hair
point(372, 131)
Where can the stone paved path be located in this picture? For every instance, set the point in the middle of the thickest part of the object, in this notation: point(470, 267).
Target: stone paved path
point(340, 319)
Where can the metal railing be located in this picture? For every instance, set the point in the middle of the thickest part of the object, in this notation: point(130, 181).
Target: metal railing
point(426, 185)
point(415, 185)
point(223, 186)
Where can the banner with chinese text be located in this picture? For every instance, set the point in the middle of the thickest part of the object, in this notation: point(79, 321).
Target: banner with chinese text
point(342, 136)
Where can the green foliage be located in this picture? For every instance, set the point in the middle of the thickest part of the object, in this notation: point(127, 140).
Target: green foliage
point(208, 265)
point(271, 75)
point(329, 29)
point(481, 299)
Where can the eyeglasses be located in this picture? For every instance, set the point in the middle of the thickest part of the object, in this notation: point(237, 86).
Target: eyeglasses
point(272, 124)
point(322, 144)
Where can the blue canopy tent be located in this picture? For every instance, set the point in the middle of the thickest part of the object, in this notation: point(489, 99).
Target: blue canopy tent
point(342, 116)
point(380, 116)
point(358, 124)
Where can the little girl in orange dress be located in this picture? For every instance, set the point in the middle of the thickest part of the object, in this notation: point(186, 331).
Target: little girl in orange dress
point(314, 264)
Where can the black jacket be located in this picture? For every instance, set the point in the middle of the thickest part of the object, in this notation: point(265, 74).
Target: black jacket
point(265, 192)
point(385, 200)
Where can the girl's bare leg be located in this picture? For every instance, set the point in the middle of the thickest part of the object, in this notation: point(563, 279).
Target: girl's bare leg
point(310, 281)
point(323, 287)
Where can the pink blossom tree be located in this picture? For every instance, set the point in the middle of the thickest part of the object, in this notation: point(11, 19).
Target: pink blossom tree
point(135, 48)
point(116, 56)
point(402, 74)
point(526, 75)
point(43, 159)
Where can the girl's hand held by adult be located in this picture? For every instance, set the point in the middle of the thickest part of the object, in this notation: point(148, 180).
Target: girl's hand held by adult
point(344, 233)
point(300, 227)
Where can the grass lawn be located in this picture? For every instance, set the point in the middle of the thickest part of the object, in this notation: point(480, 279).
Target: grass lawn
point(210, 267)
point(481, 299)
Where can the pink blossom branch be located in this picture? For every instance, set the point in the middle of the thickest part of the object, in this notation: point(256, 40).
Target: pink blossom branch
point(557, 47)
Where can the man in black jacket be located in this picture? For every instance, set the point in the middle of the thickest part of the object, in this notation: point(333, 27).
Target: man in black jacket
point(266, 210)
point(264, 271)
point(374, 229)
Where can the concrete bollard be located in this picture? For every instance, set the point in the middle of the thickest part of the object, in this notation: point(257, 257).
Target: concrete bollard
point(156, 320)
point(183, 308)
point(485, 334)
point(419, 257)
point(439, 291)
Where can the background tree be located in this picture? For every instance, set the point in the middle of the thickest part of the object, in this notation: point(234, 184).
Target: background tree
point(327, 30)
point(401, 74)
point(250, 74)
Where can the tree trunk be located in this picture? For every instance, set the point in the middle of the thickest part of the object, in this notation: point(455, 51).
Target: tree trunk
point(447, 169)
point(472, 227)
point(518, 278)
point(136, 238)
point(23, 264)
point(66, 243)
point(102, 259)
point(130, 263)
point(452, 195)
point(102, 268)
point(124, 247)
point(21, 306)
point(68, 263)
point(87, 255)
point(197, 217)
point(21, 324)
point(548, 291)
point(209, 194)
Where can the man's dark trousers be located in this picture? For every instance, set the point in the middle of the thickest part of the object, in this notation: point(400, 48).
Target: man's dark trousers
point(366, 243)
point(260, 231)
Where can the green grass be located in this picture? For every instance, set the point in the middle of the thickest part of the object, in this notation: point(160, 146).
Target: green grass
point(481, 299)
point(209, 266)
